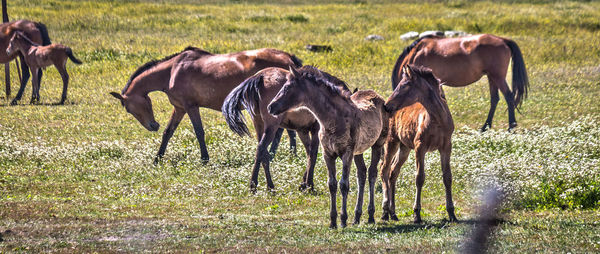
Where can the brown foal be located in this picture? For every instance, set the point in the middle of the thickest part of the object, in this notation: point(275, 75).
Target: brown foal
point(421, 121)
point(349, 125)
point(37, 57)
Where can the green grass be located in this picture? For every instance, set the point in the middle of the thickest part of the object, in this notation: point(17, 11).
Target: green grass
point(79, 177)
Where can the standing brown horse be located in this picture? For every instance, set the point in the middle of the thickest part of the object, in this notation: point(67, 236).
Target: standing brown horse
point(255, 93)
point(38, 57)
point(349, 125)
point(35, 31)
point(421, 121)
point(461, 61)
point(191, 79)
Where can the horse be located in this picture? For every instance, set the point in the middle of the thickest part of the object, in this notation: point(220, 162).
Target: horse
point(349, 125)
point(255, 93)
point(420, 120)
point(193, 78)
point(462, 61)
point(35, 31)
point(37, 57)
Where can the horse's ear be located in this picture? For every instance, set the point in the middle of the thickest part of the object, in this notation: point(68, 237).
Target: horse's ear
point(294, 72)
point(408, 71)
point(118, 96)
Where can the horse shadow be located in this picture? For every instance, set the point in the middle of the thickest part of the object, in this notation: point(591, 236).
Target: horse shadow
point(392, 227)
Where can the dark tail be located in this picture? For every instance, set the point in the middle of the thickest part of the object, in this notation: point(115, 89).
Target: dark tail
point(245, 95)
point(296, 61)
point(397, 66)
point(43, 33)
point(520, 81)
point(72, 57)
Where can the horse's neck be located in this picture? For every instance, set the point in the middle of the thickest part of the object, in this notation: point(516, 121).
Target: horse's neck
point(25, 47)
point(438, 110)
point(327, 109)
point(144, 88)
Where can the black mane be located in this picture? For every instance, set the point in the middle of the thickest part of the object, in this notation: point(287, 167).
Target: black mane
point(152, 63)
point(332, 83)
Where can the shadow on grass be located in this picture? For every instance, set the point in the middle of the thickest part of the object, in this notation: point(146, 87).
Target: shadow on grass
point(53, 104)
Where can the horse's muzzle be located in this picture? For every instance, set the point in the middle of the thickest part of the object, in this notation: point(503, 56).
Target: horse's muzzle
point(153, 126)
point(273, 109)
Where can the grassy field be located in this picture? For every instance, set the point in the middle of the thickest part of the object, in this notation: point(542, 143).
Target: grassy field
point(79, 177)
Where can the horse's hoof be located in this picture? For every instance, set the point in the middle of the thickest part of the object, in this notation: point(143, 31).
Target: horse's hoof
point(385, 216)
point(371, 220)
point(453, 218)
point(512, 126)
point(417, 220)
point(204, 160)
point(332, 225)
point(156, 161)
point(356, 222)
point(302, 187)
point(394, 217)
point(14, 102)
point(485, 128)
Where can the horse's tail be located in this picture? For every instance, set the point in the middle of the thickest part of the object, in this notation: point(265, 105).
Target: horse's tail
point(71, 56)
point(246, 95)
point(43, 33)
point(520, 81)
point(297, 61)
point(398, 65)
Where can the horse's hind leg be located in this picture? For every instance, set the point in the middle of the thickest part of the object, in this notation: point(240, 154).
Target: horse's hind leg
point(375, 156)
point(194, 114)
point(292, 135)
point(176, 117)
point(447, 178)
point(25, 71)
point(275, 144)
point(39, 84)
point(34, 85)
point(500, 82)
point(311, 144)
point(494, 98)
point(264, 155)
point(65, 78)
point(361, 172)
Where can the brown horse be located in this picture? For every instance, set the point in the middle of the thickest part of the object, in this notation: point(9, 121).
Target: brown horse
point(349, 125)
point(255, 93)
point(421, 121)
point(461, 61)
point(37, 57)
point(35, 31)
point(191, 79)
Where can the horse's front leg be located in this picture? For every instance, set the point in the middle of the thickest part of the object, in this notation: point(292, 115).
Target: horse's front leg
point(375, 156)
point(25, 71)
point(390, 148)
point(194, 114)
point(361, 173)
point(176, 117)
point(332, 183)
point(419, 181)
point(345, 185)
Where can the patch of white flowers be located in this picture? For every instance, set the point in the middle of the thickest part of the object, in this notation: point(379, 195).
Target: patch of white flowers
point(526, 164)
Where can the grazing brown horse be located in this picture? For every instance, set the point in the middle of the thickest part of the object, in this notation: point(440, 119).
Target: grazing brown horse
point(255, 93)
point(461, 61)
point(421, 121)
point(191, 79)
point(35, 31)
point(349, 125)
point(37, 57)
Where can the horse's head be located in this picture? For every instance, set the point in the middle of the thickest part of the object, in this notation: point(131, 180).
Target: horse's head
point(12, 45)
point(417, 83)
point(140, 107)
point(290, 95)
